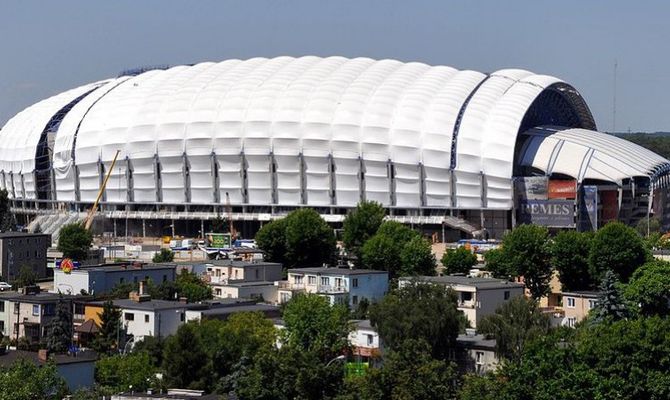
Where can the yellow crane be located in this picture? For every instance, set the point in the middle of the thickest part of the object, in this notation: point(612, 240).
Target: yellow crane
point(91, 213)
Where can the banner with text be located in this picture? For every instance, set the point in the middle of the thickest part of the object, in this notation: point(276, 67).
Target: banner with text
point(588, 208)
point(550, 213)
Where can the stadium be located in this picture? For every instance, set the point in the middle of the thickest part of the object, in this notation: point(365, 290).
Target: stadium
point(454, 152)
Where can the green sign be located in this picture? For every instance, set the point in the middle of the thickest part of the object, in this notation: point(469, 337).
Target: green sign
point(219, 240)
point(356, 368)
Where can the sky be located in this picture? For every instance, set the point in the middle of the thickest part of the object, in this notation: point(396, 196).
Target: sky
point(47, 47)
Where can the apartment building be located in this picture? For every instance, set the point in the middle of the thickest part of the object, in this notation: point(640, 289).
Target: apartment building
point(18, 249)
point(577, 305)
point(243, 279)
point(339, 285)
point(100, 279)
point(477, 297)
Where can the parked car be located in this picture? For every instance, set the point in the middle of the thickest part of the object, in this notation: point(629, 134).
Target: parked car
point(5, 286)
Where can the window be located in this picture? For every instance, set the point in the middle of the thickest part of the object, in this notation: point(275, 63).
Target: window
point(164, 278)
point(146, 318)
point(466, 296)
point(2, 327)
point(129, 316)
point(297, 279)
point(49, 309)
point(16, 307)
point(354, 282)
point(354, 300)
point(311, 280)
point(284, 297)
point(370, 339)
point(571, 322)
point(325, 281)
point(258, 274)
point(121, 280)
point(36, 309)
point(2, 306)
point(218, 292)
point(479, 357)
point(571, 302)
point(134, 279)
point(592, 304)
point(182, 317)
point(506, 294)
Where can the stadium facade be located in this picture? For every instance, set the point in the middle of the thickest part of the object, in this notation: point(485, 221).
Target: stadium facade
point(439, 147)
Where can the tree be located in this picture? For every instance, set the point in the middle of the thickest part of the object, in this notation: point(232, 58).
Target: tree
point(459, 260)
point(312, 324)
point(7, 220)
point(610, 305)
point(647, 227)
point(190, 285)
point(219, 224)
point(59, 329)
point(570, 257)
point(165, 255)
point(301, 239)
point(526, 252)
point(419, 311)
point(24, 380)
point(514, 324)
point(417, 258)
point(411, 373)
point(649, 288)
point(120, 372)
point(185, 359)
point(112, 334)
point(272, 240)
point(496, 264)
point(399, 250)
point(25, 278)
point(360, 225)
point(310, 242)
point(616, 247)
point(74, 241)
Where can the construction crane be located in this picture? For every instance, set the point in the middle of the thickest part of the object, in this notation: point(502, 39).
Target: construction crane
point(91, 213)
point(229, 212)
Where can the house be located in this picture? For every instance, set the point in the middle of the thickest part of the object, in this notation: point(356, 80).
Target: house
point(577, 305)
point(99, 279)
point(171, 394)
point(339, 285)
point(77, 370)
point(477, 297)
point(242, 279)
point(18, 249)
point(222, 311)
point(142, 316)
point(476, 353)
point(28, 314)
point(365, 341)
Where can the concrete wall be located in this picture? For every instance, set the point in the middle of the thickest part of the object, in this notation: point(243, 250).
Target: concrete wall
point(29, 250)
point(149, 323)
point(489, 300)
point(98, 282)
point(77, 375)
point(579, 311)
point(372, 287)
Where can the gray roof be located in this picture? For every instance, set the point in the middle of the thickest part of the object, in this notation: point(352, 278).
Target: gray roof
point(39, 298)
point(240, 264)
point(363, 324)
point(9, 235)
point(151, 305)
point(583, 293)
point(335, 271)
point(244, 284)
point(476, 341)
point(241, 308)
point(479, 283)
point(11, 356)
point(126, 267)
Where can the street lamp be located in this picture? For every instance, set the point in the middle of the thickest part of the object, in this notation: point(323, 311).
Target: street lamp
point(338, 358)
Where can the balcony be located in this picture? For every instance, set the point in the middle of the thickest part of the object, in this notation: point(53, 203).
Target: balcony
point(332, 289)
point(286, 285)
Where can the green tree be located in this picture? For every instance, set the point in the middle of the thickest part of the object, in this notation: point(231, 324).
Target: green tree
point(74, 241)
point(496, 264)
point(610, 305)
point(26, 277)
point(647, 227)
point(526, 252)
point(459, 260)
point(219, 224)
point(152, 346)
point(570, 257)
point(7, 220)
point(190, 285)
point(59, 329)
point(163, 256)
point(399, 250)
point(360, 225)
point(649, 288)
point(312, 324)
point(119, 372)
point(185, 359)
point(419, 311)
point(411, 373)
point(618, 248)
point(24, 380)
point(271, 238)
point(310, 242)
point(112, 334)
point(514, 324)
point(417, 258)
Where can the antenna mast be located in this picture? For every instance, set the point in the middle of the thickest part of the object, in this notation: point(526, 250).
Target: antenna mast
point(614, 99)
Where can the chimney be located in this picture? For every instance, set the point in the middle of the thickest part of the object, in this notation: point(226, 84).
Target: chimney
point(183, 300)
point(142, 288)
point(137, 265)
point(43, 355)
